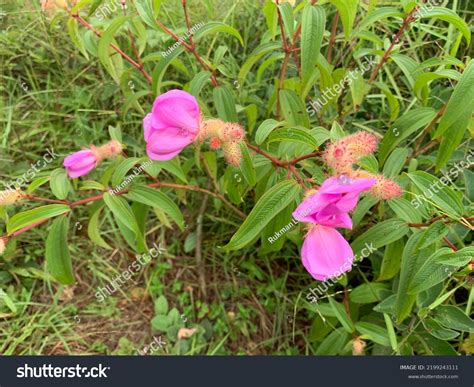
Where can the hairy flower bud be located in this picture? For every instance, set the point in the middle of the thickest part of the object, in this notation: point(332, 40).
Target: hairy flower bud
point(225, 135)
point(232, 153)
point(106, 151)
point(342, 154)
point(383, 189)
point(215, 143)
point(10, 196)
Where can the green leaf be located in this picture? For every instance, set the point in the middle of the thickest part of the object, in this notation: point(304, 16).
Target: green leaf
point(395, 162)
point(454, 318)
point(408, 124)
point(313, 24)
point(122, 212)
point(436, 329)
point(122, 169)
point(341, 315)
point(27, 218)
point(265, 128)
point(373, 332)
point(76, 37)
point(379, 15)
point(439, 266)
point(161, 305)
point(154, 198)
point(286, 11)
point(348, 10)
point(161, 67)
point(391, 260)
point(172, 166)
point(214, 26)
point(59, 183)
point(93, 230)
point(410, 260)
point(333, 343)
point(299, 135)
point(293, 109)
point(58, 259)
point(37, 183)
point(423, 79)
point(451, 139)
point(254, 57)
point(198, 82)
point(148, 9)
point(404, 210)
point(269, 205)
point(460, 101)
point(451, 17)
point(104, 49)
point(225, 104)
point(391, 332)
point(246, 166)
point(369, 293)
point(441, 195)
point(380, 235)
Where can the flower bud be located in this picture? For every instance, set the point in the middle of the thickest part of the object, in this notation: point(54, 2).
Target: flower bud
point(10, 196)
point(383, 189)
point(82, 162)
point(232, 153)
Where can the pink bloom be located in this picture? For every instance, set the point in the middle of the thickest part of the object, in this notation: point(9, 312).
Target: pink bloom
point(172, 125)
point(325, 252)
point(331, 204)
point(80, 163)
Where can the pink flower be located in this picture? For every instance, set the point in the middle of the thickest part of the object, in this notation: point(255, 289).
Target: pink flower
point(325, 252)
point(172, 125)
point(331, 204)
point(80, 163)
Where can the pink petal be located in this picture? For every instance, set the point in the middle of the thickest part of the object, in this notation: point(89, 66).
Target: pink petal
point(74, 173)
point(169, 140)
point(160, 156)
point(309, 207)
point(331, 217)
point(176, 108)
point(148, 128)
point(338, 185)
point(83, 157)
point(325, 253)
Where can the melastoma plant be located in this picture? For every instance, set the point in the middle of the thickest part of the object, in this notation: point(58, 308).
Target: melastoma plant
point(383, 162)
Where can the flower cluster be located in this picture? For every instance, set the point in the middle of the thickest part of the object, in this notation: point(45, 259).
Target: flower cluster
point(342, 154)
point(175, 121)
point(225, 135)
